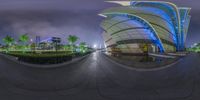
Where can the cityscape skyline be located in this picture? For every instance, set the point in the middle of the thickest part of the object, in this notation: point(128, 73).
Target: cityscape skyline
point(23, 16)
point(99, 49)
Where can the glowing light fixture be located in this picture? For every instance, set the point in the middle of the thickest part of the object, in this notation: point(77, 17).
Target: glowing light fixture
point(95, 46)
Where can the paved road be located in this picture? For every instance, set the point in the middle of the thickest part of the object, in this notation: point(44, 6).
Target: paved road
point(98, 78)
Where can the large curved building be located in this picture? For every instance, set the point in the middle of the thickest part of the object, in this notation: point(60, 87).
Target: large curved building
point(145, 26)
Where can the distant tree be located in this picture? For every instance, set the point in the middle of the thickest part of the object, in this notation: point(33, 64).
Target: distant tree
point(8, 40)
point(33, 47)
point(67, 47)
point(72, 39)
point(82, 47)
point(24, 39)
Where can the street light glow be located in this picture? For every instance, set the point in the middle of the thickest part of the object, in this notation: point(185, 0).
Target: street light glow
point(94, 46)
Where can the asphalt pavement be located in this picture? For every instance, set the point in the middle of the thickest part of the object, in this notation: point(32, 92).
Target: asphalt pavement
point(99, 78)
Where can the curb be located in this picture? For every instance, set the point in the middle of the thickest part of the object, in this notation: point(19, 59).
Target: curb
point(14, 59)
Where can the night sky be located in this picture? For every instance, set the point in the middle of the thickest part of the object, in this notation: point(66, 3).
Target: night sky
point(47, 18)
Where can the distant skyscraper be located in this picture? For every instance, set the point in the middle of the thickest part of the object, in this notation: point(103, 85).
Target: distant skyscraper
point(37, 40)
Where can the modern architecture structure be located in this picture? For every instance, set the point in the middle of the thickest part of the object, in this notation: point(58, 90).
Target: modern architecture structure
point(49, 43)
point(145, 26)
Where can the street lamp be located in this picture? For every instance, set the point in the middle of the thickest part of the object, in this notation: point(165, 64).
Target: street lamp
point(94, 46)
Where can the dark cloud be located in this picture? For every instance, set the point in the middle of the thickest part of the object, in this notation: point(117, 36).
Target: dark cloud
point(51, 23)
point(63, 17)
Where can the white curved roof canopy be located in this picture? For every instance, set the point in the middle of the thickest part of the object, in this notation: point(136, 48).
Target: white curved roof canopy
point(163, 27)
point(169, 22)
point(131, 29)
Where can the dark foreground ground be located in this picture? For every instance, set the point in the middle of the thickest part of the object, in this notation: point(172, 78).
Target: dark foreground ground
point(98, 78)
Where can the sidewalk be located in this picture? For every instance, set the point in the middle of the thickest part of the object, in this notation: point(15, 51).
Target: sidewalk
point(135, 63)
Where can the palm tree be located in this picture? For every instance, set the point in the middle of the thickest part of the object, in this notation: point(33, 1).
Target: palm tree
point(82, 47)
point(8, 40)
point(72, 39)
point(24, 39)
